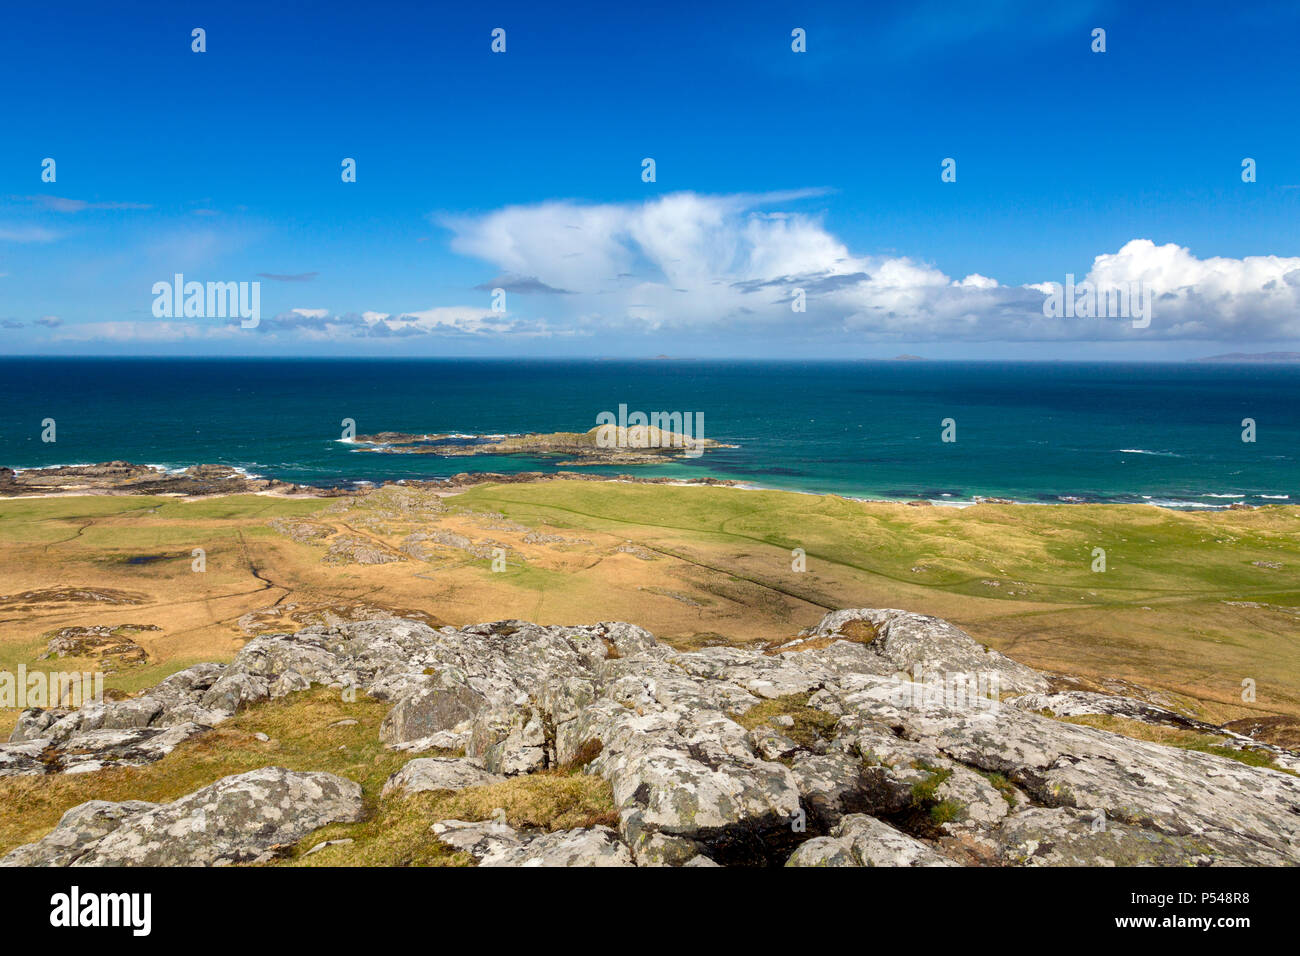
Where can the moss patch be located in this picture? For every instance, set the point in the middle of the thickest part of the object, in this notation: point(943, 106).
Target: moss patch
point(810, 724)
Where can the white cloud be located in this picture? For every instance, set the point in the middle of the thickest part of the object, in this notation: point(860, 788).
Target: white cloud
point(27, 234)
point(144, 331)
point(690, 261)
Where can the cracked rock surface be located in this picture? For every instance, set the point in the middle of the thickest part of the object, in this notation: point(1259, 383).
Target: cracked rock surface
point(817, 753)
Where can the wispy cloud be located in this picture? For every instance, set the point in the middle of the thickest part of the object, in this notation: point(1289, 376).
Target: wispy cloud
point(64, 204)
point(11, 233)
point(290, 277)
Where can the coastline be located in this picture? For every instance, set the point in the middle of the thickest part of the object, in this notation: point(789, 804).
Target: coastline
point(202, 481)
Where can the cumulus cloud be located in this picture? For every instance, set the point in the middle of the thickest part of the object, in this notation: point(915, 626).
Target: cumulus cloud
point(524, 285)
point(690, 261)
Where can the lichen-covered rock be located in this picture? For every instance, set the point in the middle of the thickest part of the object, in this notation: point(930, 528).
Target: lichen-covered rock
point(23, 757)
point(904, 640)
point(82, 751)
point(429, 711)
point(496, 844)
point(1058, 836)
point(860, 840)
point(863, 762)
point(1077, 703)
point(77, 828)
point(242, 818)
point(439, 773)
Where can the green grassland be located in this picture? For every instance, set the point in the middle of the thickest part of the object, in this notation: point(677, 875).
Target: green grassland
point(1189, 606)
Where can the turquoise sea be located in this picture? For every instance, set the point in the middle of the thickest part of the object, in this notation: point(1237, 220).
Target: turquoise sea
point(1161, 433)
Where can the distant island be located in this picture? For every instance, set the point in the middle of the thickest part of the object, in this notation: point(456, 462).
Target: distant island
point(1263, 357)
point(602, 445)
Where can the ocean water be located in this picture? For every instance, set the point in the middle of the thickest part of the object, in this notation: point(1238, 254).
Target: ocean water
point(1162, 433)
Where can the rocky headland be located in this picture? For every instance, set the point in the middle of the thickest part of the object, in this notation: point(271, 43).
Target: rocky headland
point(125, 478)
point(821, 751)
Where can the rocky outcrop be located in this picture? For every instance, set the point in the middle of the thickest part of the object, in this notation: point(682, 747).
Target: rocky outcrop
point(129, 732)
point(124, 478)
point(110, 646)
point(879, 737)
point(1085, 703)
point(246, 818)
point(906, 643)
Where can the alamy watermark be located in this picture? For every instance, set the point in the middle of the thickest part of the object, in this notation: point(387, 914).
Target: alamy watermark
point(213, 300)
point(1086, 301)
point(920, 689)
point(72, 689)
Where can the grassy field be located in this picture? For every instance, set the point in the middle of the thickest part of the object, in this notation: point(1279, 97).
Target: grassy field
point(1189, 606)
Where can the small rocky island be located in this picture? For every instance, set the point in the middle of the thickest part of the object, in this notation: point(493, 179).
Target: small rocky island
point(602, 445)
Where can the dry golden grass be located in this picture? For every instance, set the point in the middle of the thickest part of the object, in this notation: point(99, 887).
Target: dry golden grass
point(697, 566)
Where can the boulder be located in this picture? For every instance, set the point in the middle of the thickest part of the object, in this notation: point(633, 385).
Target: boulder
point(77, 828)
point(438, 773)
point(244, 818)
point(496, 844)
point(860, 840)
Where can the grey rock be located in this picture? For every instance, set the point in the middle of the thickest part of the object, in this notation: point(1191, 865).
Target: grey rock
point(81, 825)
point(905, 640)
point(345, 841)
point(690, 783)
point(1059, 836)
point(237, 819)
point(860, 840)
point(439, 773)
point(431, 710)
point(496, 844)
point(34, 723)
point(24, 757)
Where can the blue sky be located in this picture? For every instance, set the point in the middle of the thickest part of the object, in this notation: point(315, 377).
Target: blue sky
point(775, 171)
